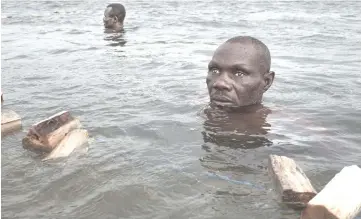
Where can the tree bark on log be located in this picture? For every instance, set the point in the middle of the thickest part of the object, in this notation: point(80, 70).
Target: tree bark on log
point(45, 135)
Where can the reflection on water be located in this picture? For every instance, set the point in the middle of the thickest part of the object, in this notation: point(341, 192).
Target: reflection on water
point(116, 38)
point(234, 142)
point(137, 92)
point(246, 130)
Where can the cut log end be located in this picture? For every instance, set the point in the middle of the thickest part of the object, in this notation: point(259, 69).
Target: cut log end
point(339, 198)
point(45, 135)
point(10, 122)
point(8, 116)
point(10, 127)
point(72, 140)
point(49, 125)
point(291, 183)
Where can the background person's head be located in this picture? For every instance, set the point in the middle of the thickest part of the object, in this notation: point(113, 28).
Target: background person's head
point(239, 72)
point(114, 16)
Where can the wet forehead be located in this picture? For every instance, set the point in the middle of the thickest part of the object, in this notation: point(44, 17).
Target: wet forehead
point(230, 54)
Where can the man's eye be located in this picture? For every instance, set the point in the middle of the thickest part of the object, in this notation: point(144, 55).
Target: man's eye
point(239, 73)
point(214, 71)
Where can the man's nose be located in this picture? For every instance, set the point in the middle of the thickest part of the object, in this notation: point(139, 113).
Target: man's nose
point(223, 82)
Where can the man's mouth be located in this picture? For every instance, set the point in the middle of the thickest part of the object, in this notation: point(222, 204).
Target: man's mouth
point(222, 101)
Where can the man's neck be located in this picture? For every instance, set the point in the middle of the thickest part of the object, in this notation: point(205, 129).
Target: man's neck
point(243, 109)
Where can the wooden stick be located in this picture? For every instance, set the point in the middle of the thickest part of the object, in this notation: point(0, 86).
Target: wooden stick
point(10, 121)
point(71, 141)
point(46, 134)
point(339, 199)
point(291, 182)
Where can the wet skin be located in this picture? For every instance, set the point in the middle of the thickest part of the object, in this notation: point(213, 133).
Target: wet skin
point(238, 75)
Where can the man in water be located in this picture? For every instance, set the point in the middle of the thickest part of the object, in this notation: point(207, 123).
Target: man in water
point(238, 76)
point(114, 16)
point(239, 73)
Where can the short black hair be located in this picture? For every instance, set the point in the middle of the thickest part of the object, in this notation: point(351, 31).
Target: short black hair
point(117, 10)
point(259, 45)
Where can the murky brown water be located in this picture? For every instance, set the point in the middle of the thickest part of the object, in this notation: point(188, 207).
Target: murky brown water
point(140, 95)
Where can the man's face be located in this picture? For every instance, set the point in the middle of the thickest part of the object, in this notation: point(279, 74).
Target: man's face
point(109, 19)
point(236, 76)
point(108, 22)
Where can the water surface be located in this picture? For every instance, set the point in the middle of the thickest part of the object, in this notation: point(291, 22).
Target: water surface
point(141, 94)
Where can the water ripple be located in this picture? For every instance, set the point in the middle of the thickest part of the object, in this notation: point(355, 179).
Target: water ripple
point(141, 95)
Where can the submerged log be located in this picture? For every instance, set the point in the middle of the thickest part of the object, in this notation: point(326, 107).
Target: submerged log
point(10, 121)
point(45, 135)
point(291, 182)
point(339, 199)
point(71, 141)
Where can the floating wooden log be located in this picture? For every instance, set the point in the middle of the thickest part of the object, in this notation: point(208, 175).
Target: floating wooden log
point(10, 121)
point(290, 181)
point(339, 199)
point(45, 135)
point(72, 140)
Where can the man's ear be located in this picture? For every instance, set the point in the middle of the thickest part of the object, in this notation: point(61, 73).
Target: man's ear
point(115, 19)
point(268, 78)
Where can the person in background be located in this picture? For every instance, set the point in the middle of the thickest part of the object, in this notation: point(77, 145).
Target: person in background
point(114, 16)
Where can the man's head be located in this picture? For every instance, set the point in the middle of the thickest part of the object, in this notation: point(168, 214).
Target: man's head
point(239, 72)
point(114, 16)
